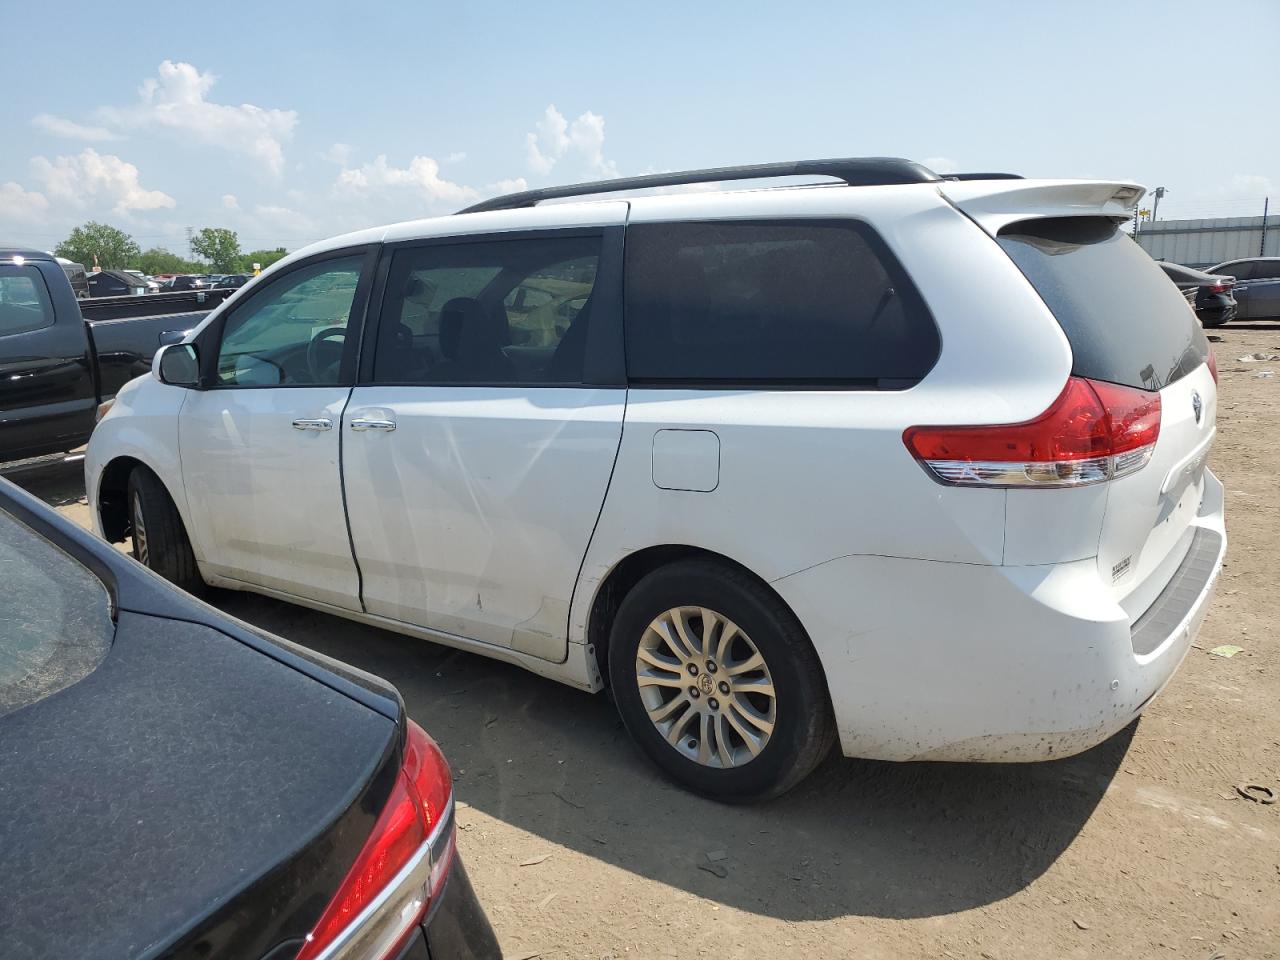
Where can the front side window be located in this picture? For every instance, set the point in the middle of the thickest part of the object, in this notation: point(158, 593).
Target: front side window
point(24, 300)
point(292, 333)
point(1241, 271)
point(785, 303)
point(488, 312)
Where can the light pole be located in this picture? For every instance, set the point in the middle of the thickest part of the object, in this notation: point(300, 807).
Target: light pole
point(1155, 207)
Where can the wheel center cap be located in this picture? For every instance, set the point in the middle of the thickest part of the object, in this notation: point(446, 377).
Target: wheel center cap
point(705, 683)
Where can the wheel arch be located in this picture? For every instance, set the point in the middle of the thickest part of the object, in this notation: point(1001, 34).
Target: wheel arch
point(633, 568)
point(113, 496)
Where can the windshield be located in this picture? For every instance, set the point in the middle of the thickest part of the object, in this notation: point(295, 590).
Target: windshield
point(1126, 322)
point(55, 618)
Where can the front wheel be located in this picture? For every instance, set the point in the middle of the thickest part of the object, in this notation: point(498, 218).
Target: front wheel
point(717, 682)
point(159, 539)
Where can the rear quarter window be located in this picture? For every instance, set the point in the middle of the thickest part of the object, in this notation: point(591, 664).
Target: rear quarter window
point(1125, 321)
point(791, 303)
point(55, 618)
point(24, 300)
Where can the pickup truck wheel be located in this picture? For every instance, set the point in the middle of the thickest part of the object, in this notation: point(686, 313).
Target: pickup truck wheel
point(717, 683)
point(159, 539)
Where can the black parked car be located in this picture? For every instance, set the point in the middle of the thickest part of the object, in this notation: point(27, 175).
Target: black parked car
point(1257, 286)
point(185, 283)
point(176, 784)
point(233, 281)
point(1210, 294)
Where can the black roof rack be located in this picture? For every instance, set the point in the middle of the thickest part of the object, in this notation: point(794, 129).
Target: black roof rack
point(854, 171)
point(982, 176)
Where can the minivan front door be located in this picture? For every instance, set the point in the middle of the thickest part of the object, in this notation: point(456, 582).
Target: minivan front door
point(260, 446)
point(479, 444)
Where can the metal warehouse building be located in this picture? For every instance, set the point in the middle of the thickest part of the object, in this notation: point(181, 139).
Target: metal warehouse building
point(1203, 243)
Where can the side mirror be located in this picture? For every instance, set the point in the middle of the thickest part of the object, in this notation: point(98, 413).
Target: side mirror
point(177, 364)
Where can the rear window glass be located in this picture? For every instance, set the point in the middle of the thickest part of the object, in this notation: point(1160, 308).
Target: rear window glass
point(1126, 322)
point(800, 303)
point(24, 300)
point(55, 618)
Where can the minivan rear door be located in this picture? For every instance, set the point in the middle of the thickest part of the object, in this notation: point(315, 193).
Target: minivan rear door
point(1128, 325)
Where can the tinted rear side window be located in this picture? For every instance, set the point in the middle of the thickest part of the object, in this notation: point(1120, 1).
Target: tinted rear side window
point(1126, 322)
point(778, 302)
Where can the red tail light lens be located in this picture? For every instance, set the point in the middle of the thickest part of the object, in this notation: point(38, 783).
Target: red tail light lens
point(1093, 432)
point(401, 867)
point(1213, 365)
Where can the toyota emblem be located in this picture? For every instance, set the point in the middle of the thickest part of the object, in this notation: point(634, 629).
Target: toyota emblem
point(1197, 405)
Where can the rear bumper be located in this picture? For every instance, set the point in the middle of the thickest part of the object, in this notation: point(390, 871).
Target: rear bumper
point(458, 928)
point(952, 661)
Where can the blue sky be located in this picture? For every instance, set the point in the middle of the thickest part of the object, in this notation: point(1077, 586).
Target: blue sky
point(291, 122)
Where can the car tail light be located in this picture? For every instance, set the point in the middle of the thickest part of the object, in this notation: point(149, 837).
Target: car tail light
point(401, 868)
point(1220, 286)
point(1213, 365)
point(1093, 432)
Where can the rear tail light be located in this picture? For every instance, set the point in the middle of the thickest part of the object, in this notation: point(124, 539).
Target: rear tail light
point(401, 868)
point(1093, 432)
point(1222, 286)
point(1213, 365)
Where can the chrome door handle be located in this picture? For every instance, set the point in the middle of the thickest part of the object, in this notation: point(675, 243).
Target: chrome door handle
point(319, 423)
point(368, 423)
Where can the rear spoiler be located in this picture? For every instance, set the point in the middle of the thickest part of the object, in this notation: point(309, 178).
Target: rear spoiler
point(994, 204)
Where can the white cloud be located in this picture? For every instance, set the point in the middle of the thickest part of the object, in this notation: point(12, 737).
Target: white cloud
point(943, 165)
point(230, 202)
point(456, 157)
point(1251, 185)
point(20, 205)
point(92, 177)
point(283, 218)
point(61, 127)
point(515, 185)
point(554, 138)
point(175, 99)
point(420, 178)
point(340, 153)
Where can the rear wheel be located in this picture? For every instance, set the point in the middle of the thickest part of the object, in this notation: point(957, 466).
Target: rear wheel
point(159, 539)
point(717, 683)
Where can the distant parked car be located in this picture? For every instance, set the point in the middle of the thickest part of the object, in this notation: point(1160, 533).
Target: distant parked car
point(181, 785)
point(1257, 289)
point(1210, 295)
point(153, 286)
point(233, 281)
point(76, 276)
point(115, 283)
point(185, 282)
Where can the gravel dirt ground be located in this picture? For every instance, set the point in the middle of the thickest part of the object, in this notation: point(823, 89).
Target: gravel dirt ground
point(1141, 847)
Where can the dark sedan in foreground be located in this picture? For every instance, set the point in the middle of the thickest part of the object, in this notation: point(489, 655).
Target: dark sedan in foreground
point(1210, 295)
point(174, 783)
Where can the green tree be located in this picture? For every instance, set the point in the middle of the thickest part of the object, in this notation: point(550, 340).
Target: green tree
point(264, 258)
point(219, 246)
point(159, 260)
point(112, 248)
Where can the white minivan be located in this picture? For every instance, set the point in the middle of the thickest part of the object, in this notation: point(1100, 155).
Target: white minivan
point(911, 463)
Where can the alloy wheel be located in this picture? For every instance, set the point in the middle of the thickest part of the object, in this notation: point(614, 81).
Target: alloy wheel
point(706, 687)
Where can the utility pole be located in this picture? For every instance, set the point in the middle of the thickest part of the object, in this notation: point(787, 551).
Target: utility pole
point(1262, 245)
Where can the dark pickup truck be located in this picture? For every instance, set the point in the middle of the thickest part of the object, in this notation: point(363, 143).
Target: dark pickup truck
point(61, 357)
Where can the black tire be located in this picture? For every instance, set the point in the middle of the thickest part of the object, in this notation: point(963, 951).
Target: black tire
point(804, 727)
point(159, 539)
